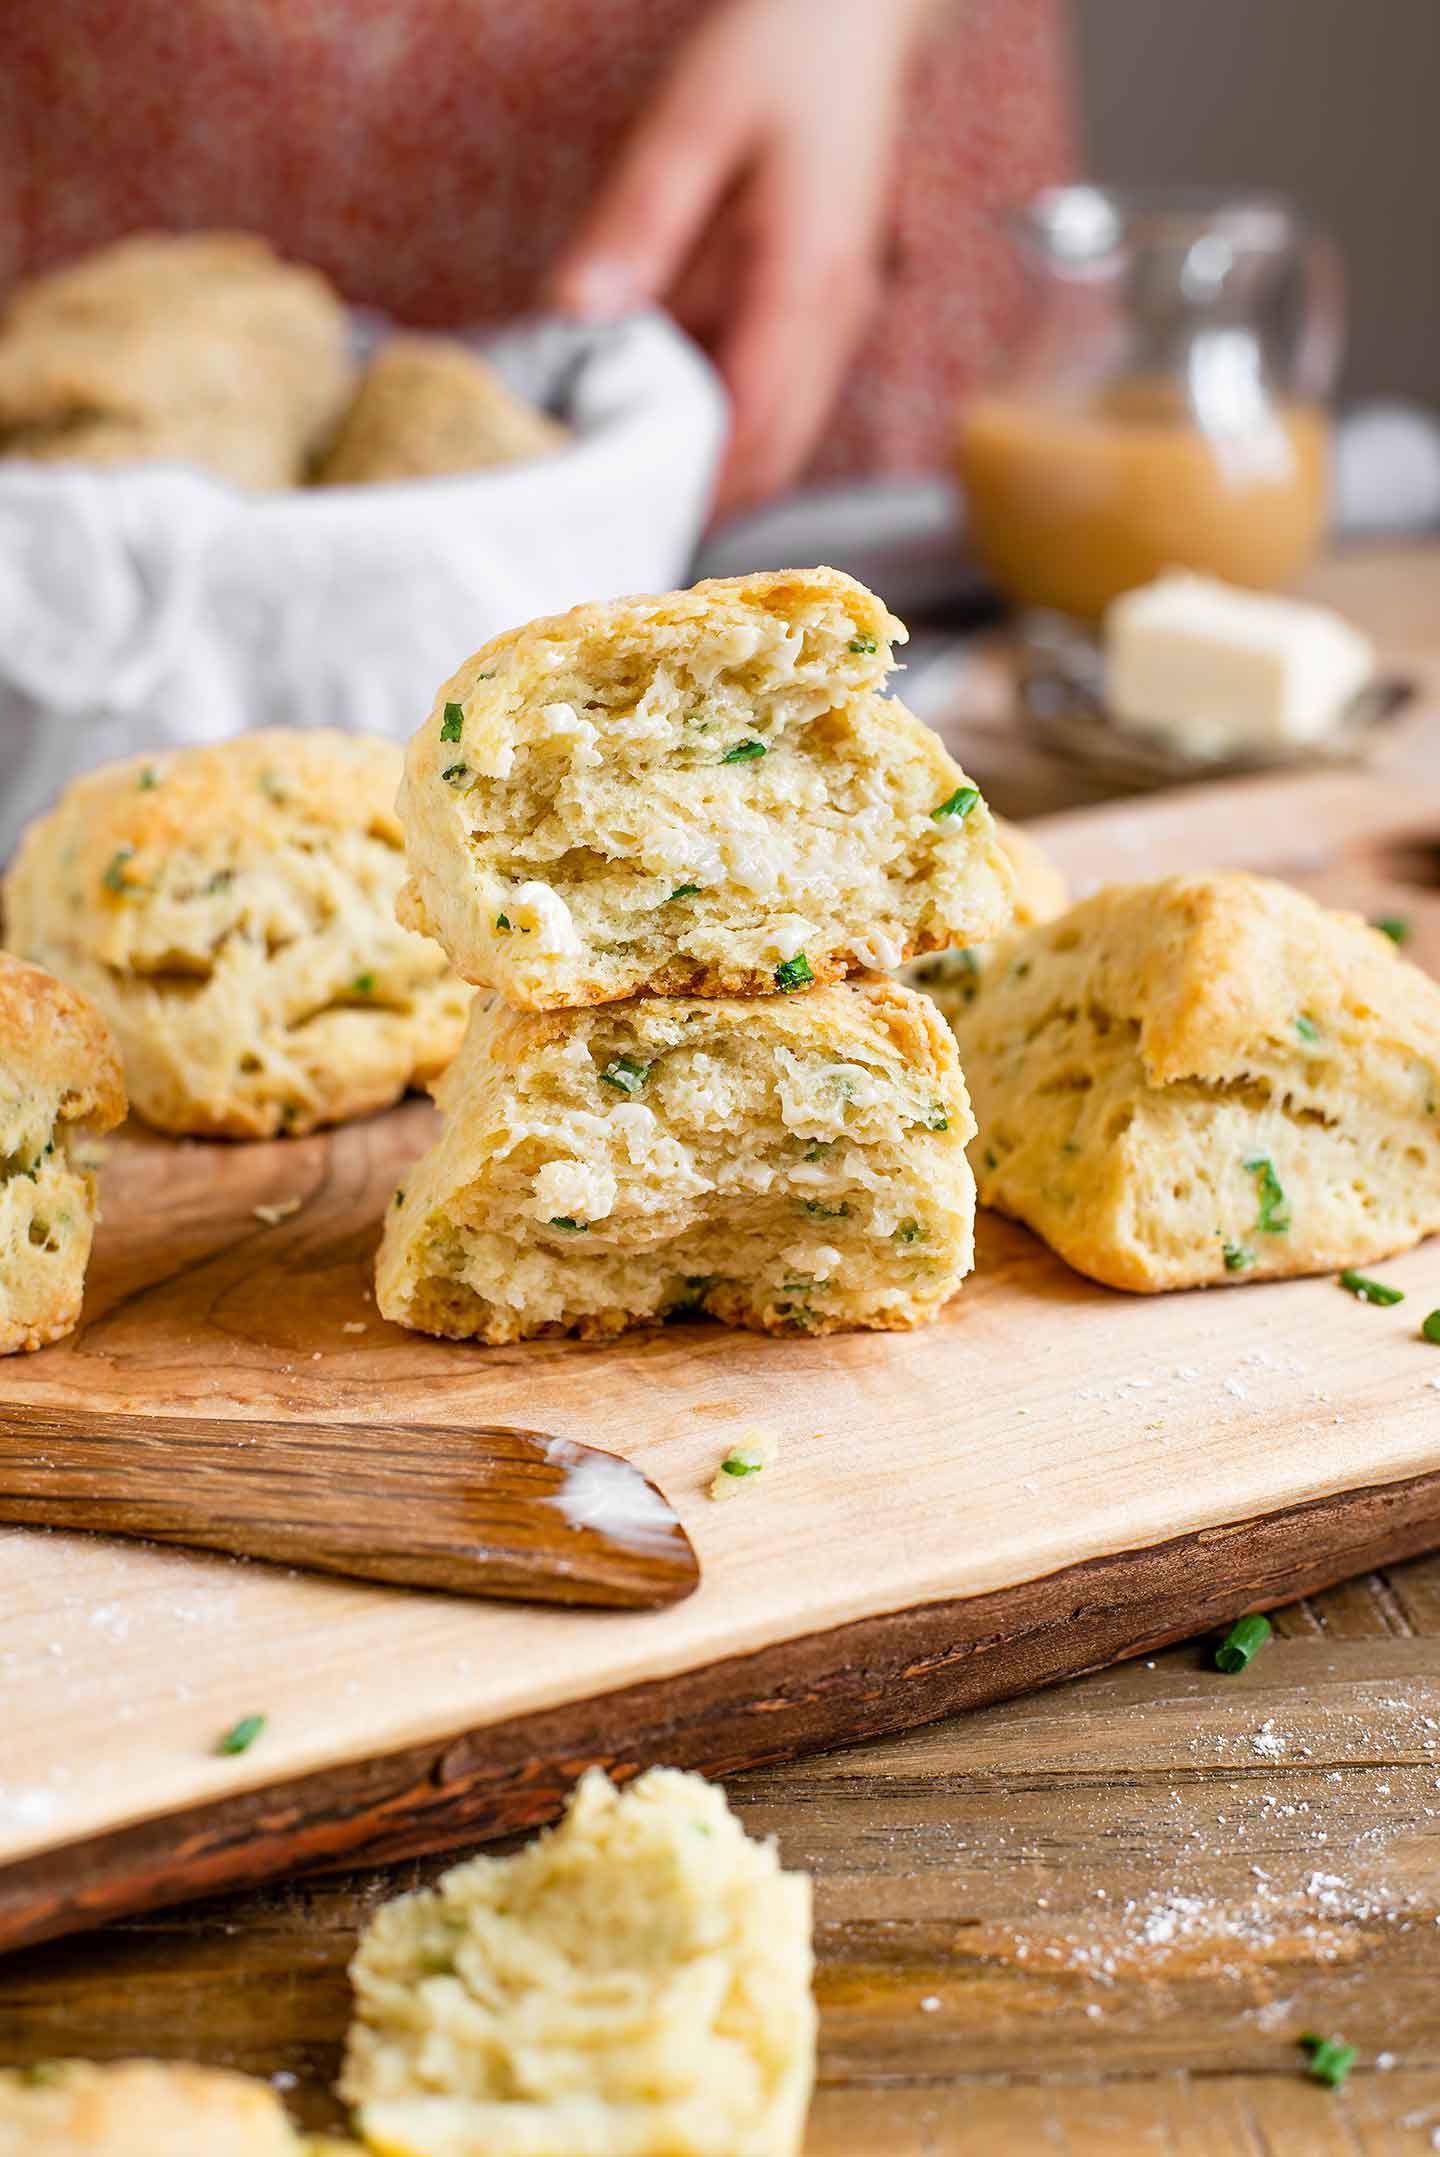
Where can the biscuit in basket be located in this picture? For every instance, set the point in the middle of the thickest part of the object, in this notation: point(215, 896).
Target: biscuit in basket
point(794, 1164)
point(427, 406)
point(139, 2108)
point(949, 977)
point(1206, 1080)
point(231, 910)
point(193, 348)
point(636, 1983)
point(702, 794)
point(59, 1085)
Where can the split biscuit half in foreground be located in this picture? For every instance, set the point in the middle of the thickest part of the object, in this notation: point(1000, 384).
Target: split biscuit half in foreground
point(949, 978)
point(59, 1086)
point(231, 910)
point(701, 794)
point(143, 2108)
point(635, 1983)
point(795, 1164)
point(1206, 1080)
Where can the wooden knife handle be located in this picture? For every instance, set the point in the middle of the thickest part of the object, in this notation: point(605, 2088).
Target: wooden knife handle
point(473, 1511)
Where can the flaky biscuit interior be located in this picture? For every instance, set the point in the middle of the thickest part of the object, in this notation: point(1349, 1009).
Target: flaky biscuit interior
point(686, 795)
point(793, 1164)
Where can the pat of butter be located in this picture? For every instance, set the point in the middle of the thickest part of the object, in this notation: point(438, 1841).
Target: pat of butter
point(1221, 669)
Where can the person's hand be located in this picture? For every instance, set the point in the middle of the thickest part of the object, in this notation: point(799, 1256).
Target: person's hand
point(751, 199)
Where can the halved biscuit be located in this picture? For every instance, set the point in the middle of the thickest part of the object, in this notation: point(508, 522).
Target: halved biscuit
point(948, 978)
point(792, 1164)
point(636, 1983)
point(140, 2108)
point(701, 794)
point(59, 1087)
point(1206, 1080)
point(427, 406)
point(230, 909)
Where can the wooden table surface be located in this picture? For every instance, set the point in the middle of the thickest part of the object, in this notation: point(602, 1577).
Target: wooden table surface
point(1091, 1920)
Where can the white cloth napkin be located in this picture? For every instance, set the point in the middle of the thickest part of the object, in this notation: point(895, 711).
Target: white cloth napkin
point(149, 607)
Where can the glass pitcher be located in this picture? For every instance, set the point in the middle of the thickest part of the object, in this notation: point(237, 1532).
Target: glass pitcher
point(1165, 406)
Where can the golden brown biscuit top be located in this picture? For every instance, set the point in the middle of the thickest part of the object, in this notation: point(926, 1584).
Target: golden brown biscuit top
point(113, 826)
point(152, 269)
point(56, 1034)
point(139, 2108)
point(677, 620)
point(1206, 966)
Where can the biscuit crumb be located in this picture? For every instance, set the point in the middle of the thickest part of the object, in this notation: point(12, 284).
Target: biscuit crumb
point(280, 1211)
point(754, 1450)
point(353, 1325)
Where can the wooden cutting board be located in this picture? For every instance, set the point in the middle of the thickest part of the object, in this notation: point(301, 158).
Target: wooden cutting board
point(1052, 1477)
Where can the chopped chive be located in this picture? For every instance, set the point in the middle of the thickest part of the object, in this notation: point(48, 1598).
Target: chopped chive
point(937, 1120)
point(822, 1212)
point(958, 807)
point(364, 984)
point(502, 921)
point(242, 1735)
point(741, 1464)
point(1274, 1216)
point(990, 1160)
point(793, 974)
point(148, 778)
point(1395, 926)
point(400, 1196)
point(625, 1075)
point(863, 644)
point(453, 723)
point(454, 774)
point(1237, 1258)
point(1370, 1291)
point(1306, 1028)
point(683, 891)
point(1241, 1643)
point(1330, 2061)
point(220, 881)
point(744, 752)
point(907, 1232)
point(565, 1220)
point(115, 878)
point(1430, 1328)
point(818, 1148)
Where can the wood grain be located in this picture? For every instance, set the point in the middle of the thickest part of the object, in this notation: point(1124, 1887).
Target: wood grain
point(1120, 1912)
point(472, 1511)
point(1088, 1920)
point(1245, 1441)
point(804, 1694)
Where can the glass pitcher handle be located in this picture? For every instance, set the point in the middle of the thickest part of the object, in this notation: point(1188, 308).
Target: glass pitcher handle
point(1322, 337)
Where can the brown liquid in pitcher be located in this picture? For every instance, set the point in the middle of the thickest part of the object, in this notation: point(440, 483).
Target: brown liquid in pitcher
point(1070, 505)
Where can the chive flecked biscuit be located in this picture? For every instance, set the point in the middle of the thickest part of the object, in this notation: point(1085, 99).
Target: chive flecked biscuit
point(791, 1164)
point(635, 1983)
point(59, 1086)
point(1206, 1080)
point(199, 348)
point(230, 909)
point(427, 406)
point(949, 978)
point(142, 2108)
point(701, 794)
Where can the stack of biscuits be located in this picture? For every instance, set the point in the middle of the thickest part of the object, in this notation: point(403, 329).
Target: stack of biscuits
point(676, 842)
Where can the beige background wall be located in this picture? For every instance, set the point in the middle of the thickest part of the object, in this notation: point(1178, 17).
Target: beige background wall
point(1334, 101)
